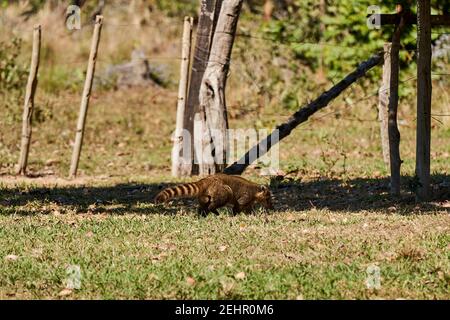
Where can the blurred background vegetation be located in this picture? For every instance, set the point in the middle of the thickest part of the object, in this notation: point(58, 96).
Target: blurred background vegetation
point(286, 53)
point(325, 38)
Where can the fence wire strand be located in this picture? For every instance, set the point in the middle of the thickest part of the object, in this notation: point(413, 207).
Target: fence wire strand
point(284, 42)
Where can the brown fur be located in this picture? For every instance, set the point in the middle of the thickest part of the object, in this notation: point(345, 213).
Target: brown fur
point(219, 190)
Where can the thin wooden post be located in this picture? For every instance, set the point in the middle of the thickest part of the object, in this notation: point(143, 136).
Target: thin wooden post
point(29, 101)
point(394, 133)
point(177, 159)
point(424, 88)
point(383, 103)
point(86, 96)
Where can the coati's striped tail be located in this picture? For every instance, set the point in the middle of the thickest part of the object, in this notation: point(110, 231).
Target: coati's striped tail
point(183, 190)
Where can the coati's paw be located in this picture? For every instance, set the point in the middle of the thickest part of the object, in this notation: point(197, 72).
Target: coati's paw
point(202, 212)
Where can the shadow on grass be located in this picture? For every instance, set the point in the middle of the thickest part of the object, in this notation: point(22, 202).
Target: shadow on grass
point(359, 194)
point(333, 194)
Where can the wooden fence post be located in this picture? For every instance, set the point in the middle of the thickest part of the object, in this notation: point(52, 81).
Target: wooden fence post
point(394, 133)
point(383, 103)
point(29, 101)
point(177, 159)
point(86, 96)
point(424, 87)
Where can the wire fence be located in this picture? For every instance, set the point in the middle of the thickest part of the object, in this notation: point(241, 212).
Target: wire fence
point(282, 42)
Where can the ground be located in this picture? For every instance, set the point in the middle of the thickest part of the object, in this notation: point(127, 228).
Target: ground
point(333, 224)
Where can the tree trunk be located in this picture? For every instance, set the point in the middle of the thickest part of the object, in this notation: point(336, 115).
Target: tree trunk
point(209, 11)
point(213, 112)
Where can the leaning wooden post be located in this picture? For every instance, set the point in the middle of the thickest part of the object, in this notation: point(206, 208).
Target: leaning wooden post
point(394, 133)
point(383, 103)
point(85, 98)
point(178, 159)
point(29, 101)
point(302, 115)
point(424, 87)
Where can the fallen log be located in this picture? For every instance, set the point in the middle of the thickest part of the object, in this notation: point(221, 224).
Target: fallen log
point(302, 115)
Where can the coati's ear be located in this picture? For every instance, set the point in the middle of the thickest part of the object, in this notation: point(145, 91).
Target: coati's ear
point(263, 188)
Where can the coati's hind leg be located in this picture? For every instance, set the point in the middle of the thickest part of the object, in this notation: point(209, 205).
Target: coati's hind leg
point(206, 205)
point(215, 197)
point(203, 203)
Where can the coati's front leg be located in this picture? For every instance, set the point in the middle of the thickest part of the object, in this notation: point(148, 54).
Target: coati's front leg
point(245, 209)
point(243, 204)
point(206, 206)
point(204, 202)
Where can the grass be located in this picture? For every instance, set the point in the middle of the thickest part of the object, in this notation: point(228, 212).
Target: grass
point(127, 247)
point(318, 254)
point(333, 219)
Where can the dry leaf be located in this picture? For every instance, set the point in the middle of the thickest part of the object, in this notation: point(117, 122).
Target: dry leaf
point(65, 292)
point(290, 217)
point(190, 281)
point(222, 248)
point(51, 162)
point(159, 257)
point(240, 275)
point(227, 286)
point(299, 297)
point(11, 257)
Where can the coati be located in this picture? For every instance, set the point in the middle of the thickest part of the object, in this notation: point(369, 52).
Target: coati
point(218, 190)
